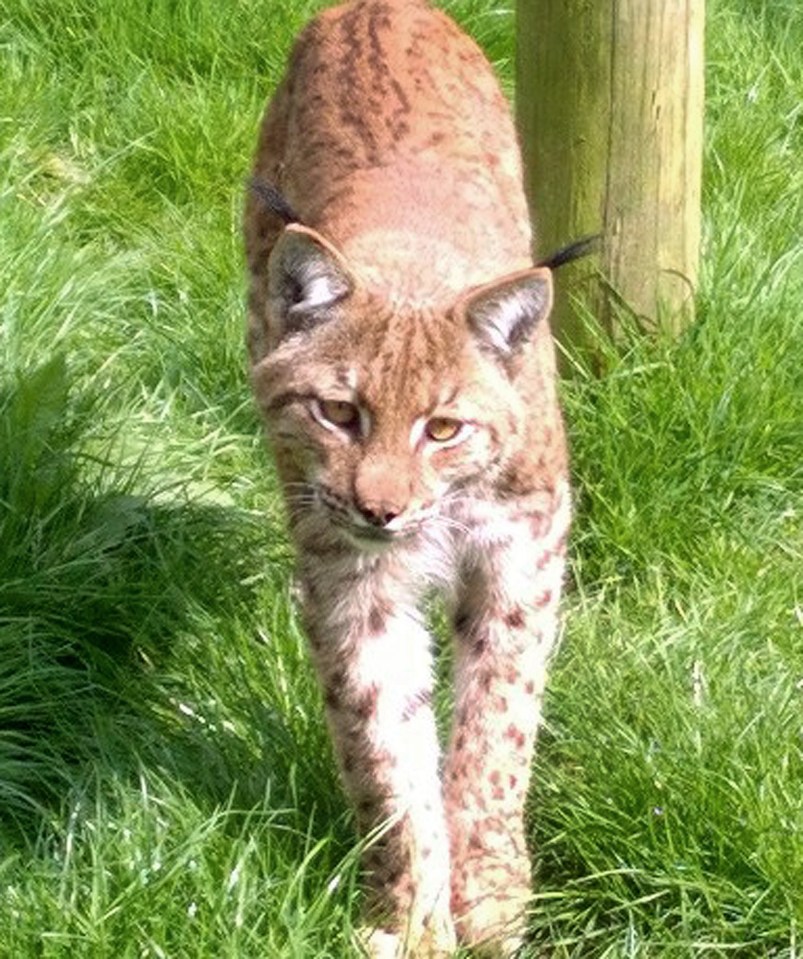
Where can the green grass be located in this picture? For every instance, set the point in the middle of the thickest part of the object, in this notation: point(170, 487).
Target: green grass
point(166, 786)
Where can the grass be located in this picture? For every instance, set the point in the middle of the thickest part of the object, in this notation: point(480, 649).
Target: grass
point(166, 787)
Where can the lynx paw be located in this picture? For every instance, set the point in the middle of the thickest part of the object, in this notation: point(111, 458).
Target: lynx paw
point(493, 928)
point(378, 944)
point(437, 941)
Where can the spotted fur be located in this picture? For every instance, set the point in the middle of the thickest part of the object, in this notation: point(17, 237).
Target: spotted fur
point(401, 355)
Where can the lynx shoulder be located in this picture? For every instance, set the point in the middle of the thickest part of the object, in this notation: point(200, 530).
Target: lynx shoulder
point(401, 356)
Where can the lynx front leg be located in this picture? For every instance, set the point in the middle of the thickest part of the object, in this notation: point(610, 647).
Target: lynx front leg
point(375, 672)
point(505, 627)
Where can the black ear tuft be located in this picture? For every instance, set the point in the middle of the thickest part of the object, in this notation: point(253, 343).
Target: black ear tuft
point(306, 275)
point(273, 201)
point(504, 314)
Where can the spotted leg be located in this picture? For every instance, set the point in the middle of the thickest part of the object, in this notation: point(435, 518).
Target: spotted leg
point(374, 663)
point(505, 625)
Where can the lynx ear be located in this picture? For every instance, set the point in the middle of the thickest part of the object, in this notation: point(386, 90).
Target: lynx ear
point(306, 274)
point(504, 314)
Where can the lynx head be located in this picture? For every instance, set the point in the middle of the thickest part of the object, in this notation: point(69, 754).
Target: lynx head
point(379, 412)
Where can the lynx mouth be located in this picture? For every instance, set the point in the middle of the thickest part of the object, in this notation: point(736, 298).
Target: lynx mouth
point(371, 539)
point(376, 533)
point(372, 536)
point(365, 535)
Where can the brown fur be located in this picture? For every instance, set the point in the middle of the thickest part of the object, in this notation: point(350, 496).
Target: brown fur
point(404, 304)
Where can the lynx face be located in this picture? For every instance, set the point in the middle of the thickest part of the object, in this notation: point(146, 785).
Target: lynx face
point(381, 414)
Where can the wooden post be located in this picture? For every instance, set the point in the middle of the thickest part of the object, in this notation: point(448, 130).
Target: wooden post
point(610, 109)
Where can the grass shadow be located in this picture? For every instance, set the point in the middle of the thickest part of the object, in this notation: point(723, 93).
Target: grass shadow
point(117, 608)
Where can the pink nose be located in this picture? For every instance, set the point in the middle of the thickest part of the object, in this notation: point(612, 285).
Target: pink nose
point(382, 488)
point(379, 514)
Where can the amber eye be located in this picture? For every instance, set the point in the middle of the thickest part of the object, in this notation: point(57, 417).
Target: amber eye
point(340, 413)
point(441, 429)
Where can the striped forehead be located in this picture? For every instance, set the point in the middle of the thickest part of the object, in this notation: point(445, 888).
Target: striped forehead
point(408, 363)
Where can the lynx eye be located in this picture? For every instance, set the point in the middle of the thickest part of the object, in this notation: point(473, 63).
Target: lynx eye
point(441, 429)
point(339, 413)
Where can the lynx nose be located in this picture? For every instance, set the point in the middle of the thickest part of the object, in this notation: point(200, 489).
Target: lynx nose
point(381, 491)
point(379, 514)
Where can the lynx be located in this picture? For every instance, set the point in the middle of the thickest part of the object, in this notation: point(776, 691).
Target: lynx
point(401, 355)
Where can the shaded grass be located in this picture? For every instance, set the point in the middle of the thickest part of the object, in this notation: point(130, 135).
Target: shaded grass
point(165, 779)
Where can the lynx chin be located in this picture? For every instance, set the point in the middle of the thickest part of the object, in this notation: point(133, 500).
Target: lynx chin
point(402, 359)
